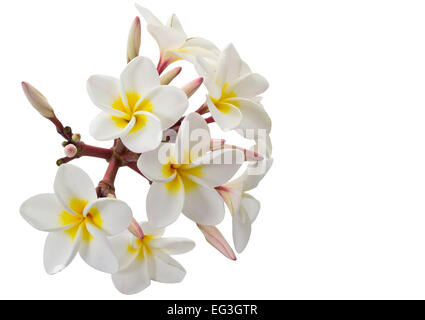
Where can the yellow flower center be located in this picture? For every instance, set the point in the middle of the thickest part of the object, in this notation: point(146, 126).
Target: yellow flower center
point(222, 104)
point(141, 246)
point(79, 221)
point(133, 106)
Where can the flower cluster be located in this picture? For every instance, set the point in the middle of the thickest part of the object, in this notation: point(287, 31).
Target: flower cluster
point(153, 133)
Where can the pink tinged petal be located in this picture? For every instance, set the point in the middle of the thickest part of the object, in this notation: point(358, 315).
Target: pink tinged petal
point(43, 212)
point(190, 88)
point(104, 127)
point(226, 120)
point(253, 115)
point(229, 66)
point(207, 71)
point(217, 144)
point(249, 86)
point(218, 167)
point(134, 278)
point(163, 268)
point(173, 246)
point(203, 204)
point(231, 193)
point(255, 173)
point(164, 202)
point(104, 91)
point(139, 76)
point(144, 137)
point(148, 16)
point(216, 239)
point(249, 154)
point(72, 183)
point(168, 104)
point(154, 167)
point(193, 138)
point(166, 37)
point(135, 229)
point(175, 24)
point(60, 249)
point(97, 252)
point(121, 246)
point(134, 39)
point(110, 215)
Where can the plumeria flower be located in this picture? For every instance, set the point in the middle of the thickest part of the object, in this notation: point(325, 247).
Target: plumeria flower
point(173, 42)
point(77, 221)
point(243, 207)
point(135, 108)
point(232, 92)
point(185, 180)
point(143, 260)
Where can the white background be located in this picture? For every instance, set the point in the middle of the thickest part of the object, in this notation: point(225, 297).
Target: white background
point(343, 210)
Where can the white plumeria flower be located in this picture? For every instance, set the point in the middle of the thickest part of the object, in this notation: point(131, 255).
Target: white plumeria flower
point(77, 221)
point(173, 42)
point(135, 108)
point(243, 207)
point(185, 181)
point(232, 92)
point(143, 260)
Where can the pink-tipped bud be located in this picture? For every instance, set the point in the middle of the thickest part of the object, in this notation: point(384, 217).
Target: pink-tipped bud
point(169, 76)
point(216, 239)
point(70, 151)
point(192, 86)
point(217, 144)
point(76, 137)
point(38, 101)
point(251, 155)
point(134, 40)
point(135, 229)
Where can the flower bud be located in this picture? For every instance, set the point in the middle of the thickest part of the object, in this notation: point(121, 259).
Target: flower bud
point(135, 229)
point(76, 137)
point(38, 101)
point(216, 239)
point(192, 86)
point(70, 150)
point(166, 78)
point(134, 39)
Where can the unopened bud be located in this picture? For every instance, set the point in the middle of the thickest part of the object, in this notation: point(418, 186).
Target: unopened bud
point(166, 78)
point(38, 101)
point(76, 137)
point(192, 86)
point(70, 150)
point(134, 39)
point(64, 143)
point(136, 230)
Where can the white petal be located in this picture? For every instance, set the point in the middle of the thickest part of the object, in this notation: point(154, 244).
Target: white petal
point(154, 167)
point(59, 250)
point(148, 16)
point(43, 212)
point(104, 91)
point(253, 115)
point(97, 251)
point(227, 121)
point(174, 23)
point(202, 43)
point(72, 183)
point(231, 193)
point(163, 268)
point(192, 53)
point(120, 244)
point(168, 104)
point(251, 180)
point(250, 207)
point(173, 245)
point(166, 37)
point(203, 205)
point(241, 234)
point(148, 229)
point(103, 127)
point(193, 139)
point(229, 66)
point(249, 86)
point(146, 135)
point(207, 71)
point(110, 215)
point(139, 76)
point(134, 278)
point(218, 167)
point(164, 202)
